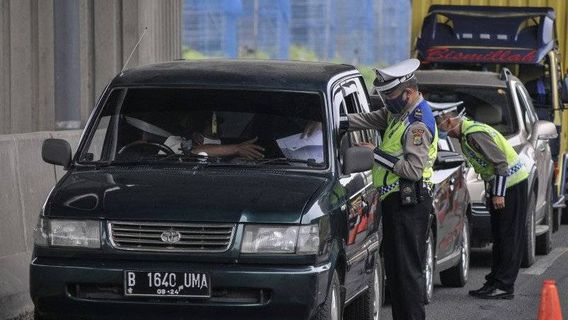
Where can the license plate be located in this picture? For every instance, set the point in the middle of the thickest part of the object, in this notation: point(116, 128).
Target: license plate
point(167, 284)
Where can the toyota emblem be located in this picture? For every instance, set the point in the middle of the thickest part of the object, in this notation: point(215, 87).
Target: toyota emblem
point(170, 236)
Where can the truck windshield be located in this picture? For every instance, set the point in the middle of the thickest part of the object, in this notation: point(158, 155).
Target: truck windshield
point(213, 126)
point(489, 105)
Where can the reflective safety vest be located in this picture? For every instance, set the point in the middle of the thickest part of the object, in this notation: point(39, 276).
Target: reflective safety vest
point(392, 143)
point(516, 170)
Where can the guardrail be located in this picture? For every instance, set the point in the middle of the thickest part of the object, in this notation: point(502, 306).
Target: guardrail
point(25, 182)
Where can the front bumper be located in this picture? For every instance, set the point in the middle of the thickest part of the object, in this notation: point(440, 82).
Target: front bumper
point(67, 288)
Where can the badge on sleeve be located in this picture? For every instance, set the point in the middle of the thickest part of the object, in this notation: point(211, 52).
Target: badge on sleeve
point(417, 136)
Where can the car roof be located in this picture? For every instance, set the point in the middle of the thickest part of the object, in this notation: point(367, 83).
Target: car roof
point(461, 78)
point(273, 74)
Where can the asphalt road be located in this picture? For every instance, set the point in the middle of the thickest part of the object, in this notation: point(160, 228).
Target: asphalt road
point(455, 303)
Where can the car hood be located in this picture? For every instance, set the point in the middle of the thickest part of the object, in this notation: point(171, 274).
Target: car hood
point(206, 195)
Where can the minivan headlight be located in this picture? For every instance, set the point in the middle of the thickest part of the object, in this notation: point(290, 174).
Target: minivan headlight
point(281, 239)
point(68, 233)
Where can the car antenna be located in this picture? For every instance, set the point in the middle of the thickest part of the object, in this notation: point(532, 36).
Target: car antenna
point(134, 49)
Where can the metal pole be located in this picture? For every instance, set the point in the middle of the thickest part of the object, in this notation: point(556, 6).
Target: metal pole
point(255, 28)
point(67, 64)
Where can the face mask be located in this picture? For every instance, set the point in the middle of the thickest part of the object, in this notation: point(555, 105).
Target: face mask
point(442, 134)
point(211, 141)
point(397, 104)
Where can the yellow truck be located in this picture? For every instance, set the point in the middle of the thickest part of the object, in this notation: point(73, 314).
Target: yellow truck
point(526, 36)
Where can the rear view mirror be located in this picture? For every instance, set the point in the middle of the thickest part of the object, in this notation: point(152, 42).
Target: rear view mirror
point(357, 159)
point(448, 159)
point(57, 152)
point(544, 130)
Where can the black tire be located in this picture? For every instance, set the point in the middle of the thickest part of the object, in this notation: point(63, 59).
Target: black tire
point(564, 217)
point(368, 305)
point(429, 269)
point(37, 316)
point(544, 241)
point(530, 235)
point(332, 301)
point(457, 275)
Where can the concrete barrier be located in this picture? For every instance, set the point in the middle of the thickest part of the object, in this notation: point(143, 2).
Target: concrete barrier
point(25, 182)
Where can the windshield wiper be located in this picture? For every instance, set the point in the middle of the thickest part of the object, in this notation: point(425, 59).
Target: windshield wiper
point(309, 162)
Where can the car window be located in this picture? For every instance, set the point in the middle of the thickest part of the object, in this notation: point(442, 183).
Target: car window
point(444, 145)
point(489, 105)
point(136, 123)
point(526, 114)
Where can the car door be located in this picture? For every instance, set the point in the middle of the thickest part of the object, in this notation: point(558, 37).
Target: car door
point(542, 155)
point(450, 199)
point(361, 212)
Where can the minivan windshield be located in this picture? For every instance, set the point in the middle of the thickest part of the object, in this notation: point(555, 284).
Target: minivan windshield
point(213, 126)
point(489, 105)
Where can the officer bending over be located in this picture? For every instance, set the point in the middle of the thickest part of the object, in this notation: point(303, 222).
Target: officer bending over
point(491, 156)
point(402, 172)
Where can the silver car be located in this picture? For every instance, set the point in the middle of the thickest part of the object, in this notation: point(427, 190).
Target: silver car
point(502, 101)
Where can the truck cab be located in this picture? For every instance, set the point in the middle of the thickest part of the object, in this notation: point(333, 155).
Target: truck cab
point(523, 40)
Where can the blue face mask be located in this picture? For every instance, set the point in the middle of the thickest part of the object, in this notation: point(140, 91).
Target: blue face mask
point(442, 134)
point(396, 105)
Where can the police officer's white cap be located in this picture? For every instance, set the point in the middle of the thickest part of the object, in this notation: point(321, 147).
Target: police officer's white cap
point(390, 77)
point(441, 108)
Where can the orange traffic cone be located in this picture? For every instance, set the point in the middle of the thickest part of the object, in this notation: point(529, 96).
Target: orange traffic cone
point(549, 302)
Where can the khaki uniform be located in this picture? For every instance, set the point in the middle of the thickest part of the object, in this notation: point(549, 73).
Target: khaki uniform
point(415, 155)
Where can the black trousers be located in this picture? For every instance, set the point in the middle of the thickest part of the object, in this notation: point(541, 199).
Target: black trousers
point(404, 243)
point(508, 227)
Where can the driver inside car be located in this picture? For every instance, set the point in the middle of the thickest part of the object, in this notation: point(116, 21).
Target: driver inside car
point(203, 130)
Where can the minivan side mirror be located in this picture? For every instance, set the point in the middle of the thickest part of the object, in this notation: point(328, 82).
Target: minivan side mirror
point(357, 159)
point(543, 130)
point(57, 152)
point(448, 159)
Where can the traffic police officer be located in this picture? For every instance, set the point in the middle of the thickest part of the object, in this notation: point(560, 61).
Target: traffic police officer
point(402, 172)
point(493, 157)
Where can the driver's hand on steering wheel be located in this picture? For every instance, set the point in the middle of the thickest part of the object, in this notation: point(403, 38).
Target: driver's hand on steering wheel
point(249, 150)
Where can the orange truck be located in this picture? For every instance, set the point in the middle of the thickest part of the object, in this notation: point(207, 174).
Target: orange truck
point(529, 37)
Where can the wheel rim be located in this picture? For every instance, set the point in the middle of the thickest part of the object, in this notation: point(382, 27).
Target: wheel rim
point(334, 304)
point(377, 300)
point(465, 251)
point(429, 269)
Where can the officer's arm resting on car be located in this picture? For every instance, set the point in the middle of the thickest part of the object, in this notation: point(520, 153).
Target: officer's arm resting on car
point(483, 143)
point(370, 120)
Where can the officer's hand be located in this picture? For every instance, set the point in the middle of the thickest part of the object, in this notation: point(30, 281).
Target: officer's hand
point(311, 127)
point(249, 150)
point(498, 202)
point(366, 145)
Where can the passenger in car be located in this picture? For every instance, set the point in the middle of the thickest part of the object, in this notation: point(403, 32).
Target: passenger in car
point(493, 157)
point(203, 128)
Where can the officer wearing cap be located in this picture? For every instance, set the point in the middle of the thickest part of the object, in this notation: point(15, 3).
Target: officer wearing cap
point(493, 157)
point(402, 172)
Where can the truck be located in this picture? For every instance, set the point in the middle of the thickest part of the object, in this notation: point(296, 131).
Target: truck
point(524, 40)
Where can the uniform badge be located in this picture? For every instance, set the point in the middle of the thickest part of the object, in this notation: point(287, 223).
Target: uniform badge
point(417, 136)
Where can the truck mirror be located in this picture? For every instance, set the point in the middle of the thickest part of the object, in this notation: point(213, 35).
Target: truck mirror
point(57, 152)
point(357, 159)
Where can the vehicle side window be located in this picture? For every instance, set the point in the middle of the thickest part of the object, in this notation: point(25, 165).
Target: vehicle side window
point(352, 105)
point(527, 113)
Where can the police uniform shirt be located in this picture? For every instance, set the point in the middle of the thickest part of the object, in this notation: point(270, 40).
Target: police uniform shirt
point(417, 140)
point(485, 145)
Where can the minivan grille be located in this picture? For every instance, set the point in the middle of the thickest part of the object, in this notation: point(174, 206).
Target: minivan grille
point(171, 237)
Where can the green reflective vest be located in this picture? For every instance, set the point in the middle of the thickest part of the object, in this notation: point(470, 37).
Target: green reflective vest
point(516, 171)
point(385, 180)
